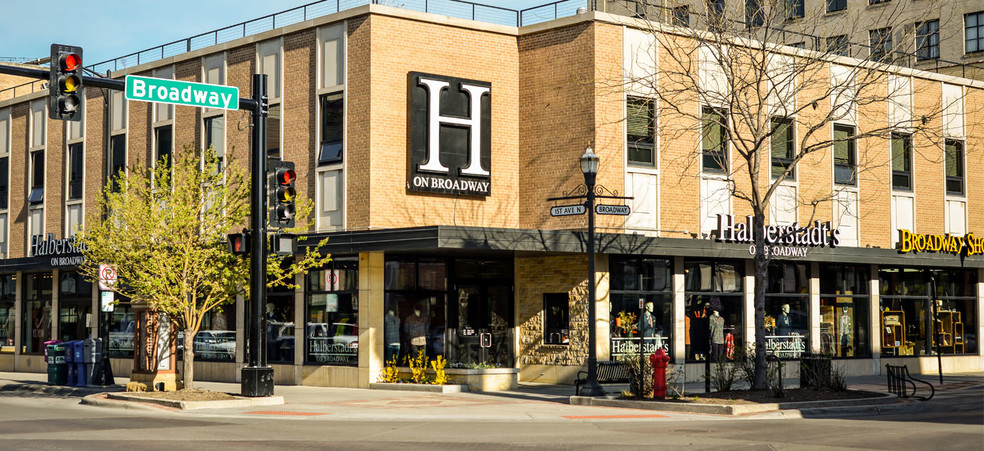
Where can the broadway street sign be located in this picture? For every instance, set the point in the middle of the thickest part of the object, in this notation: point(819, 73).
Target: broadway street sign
point(149, 89)
point(568, 210)
point(622, 210)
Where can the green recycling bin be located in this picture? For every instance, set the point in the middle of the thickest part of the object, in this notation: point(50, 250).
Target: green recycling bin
point(57, 368)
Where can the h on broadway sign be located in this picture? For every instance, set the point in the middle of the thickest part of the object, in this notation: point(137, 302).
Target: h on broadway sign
point(450, 143)
point(161, 90)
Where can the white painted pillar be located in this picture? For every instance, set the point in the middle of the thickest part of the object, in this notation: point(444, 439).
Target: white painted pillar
point(679, 312)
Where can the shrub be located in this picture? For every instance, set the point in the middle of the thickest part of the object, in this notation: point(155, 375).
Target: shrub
point(440, 377)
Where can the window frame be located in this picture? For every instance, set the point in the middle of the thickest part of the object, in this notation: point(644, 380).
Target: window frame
point(906, 172)
point(838, 45)
point(880, 44)
point(958, 180)
point(720, 155)
point(979, 28)
point(643, 142)
point(927, 42)
point(836, 5)
point(852, 154)
point(783, 162)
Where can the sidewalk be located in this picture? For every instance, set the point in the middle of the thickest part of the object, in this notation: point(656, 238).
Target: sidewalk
point(530, 402)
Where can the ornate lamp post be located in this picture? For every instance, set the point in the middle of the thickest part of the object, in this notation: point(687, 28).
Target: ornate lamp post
point(589, 166)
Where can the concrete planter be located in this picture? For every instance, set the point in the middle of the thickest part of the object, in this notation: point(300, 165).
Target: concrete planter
point(487, 379)
point(427, 388)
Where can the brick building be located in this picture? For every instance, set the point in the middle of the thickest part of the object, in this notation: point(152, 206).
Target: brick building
point(443, 242)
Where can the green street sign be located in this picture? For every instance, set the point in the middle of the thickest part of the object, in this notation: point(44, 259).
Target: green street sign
point(161, 90)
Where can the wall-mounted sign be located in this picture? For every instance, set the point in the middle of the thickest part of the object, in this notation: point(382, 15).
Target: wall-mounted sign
point(42, 247)
point(450, 143)
point(946, 243)
point(780, 241)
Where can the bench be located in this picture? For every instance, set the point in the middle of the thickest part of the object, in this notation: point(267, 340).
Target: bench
point(898, 377)
point(609, 372)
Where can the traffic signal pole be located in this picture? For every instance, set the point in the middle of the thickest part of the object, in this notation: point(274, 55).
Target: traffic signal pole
point(257, 376)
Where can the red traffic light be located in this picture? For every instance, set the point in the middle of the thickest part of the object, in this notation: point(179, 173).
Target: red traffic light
point(70, 61)
point(286, 176)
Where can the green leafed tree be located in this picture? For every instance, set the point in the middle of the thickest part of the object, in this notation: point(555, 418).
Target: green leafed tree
point(164, 230)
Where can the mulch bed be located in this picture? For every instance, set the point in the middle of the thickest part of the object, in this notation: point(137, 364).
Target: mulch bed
point(186, 395)
point(766, 396)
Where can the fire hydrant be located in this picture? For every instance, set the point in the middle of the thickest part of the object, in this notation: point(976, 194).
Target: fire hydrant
point(659, 360)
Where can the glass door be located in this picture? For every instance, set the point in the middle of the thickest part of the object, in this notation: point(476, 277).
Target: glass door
point(481, 315)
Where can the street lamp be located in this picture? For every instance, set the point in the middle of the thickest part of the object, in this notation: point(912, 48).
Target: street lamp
point(589, 166)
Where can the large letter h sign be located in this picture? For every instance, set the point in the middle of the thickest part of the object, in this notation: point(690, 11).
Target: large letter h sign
point(475, 93)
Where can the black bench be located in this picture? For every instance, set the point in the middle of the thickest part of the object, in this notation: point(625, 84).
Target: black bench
point(898, 377)
point(609, 372)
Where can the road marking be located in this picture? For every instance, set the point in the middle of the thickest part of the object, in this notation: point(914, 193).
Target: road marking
point(608, 417)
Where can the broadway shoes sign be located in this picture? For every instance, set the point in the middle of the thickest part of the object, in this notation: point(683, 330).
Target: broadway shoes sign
point(450, 143)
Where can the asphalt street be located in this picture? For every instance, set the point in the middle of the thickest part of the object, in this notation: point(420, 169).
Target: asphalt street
point(536, 417)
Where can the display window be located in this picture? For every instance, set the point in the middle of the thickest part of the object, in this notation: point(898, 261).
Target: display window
point(74, 306)
point(925, 310)
point(460, 309)
point(787, 310)
point(278, 317)
point(7, 313)
point(121, 326)
point(36, 320)
point(641, 306)
point(844, 302)
point(216, 339)
point(714, 319)
point(331, 332)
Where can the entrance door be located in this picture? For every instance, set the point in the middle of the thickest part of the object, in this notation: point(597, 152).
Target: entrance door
point(482, 319)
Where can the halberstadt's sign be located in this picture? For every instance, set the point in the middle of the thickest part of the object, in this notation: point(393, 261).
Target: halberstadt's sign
point(781, 241)
point(450, 143)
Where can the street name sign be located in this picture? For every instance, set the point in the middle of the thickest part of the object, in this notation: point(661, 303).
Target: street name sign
point(622, 210)
point(148, 89)
point(567, 210)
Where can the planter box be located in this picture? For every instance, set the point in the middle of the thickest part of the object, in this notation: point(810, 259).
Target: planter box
point(419, 387)
point(489, 379)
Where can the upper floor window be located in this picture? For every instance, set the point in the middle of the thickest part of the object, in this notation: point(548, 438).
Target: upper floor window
point(641, 139)
point(36, 195)
point(215, 138)
point(795, 9)
point(902, 161)
point(845, 155)
point(117, 157)
point(332, 107)
point(164, 111)
point(836, 5)
point(270, 64)
point(681, 16)
point(928, 40)
point(838, 45)
point(75, 171)
point(4, 157)
point(754, 13)
point(880, 43)
point(954, 166)
point(714, 144)
point(974, 31)
point(76, 129)
point(164, 139)
point(782, 148)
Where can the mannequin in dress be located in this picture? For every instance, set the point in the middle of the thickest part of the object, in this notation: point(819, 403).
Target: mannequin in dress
point(717, 335)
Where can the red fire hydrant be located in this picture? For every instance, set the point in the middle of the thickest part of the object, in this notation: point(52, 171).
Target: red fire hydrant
point(659, 360)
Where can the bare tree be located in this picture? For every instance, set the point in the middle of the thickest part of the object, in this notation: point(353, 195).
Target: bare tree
point(759, 108)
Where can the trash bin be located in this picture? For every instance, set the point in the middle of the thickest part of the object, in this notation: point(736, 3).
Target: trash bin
point(92, 358)
point(57, 368)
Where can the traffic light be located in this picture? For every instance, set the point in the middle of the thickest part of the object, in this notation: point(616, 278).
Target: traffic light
point(65, 83)
point(239, 242)
point(281, 193)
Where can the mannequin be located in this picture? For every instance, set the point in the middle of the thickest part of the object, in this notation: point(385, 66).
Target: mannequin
point(415, 329)
point(391, 333)
point(717, 335)
point(783, 323)
point(844, 333)
point(647, 322)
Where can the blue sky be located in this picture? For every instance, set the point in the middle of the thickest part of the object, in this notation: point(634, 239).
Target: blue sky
point(111, 28)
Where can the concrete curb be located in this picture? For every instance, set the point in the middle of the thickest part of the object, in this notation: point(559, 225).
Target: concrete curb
point(101, 400)
point(808, 407)
point(57, 390)
point(419, 387)
point(194, 405)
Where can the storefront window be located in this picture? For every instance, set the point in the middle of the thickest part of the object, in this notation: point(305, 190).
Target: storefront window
point(216, 339)
point(279, 319)
point(641, 306)
point(7, 313)
point(844, 311)
point(74, 306)
point(121, 329)
point(908, 304)
point(36, 325)
point(715, 313)
point(332, 329)
point(787, 310)
point(460, 309)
